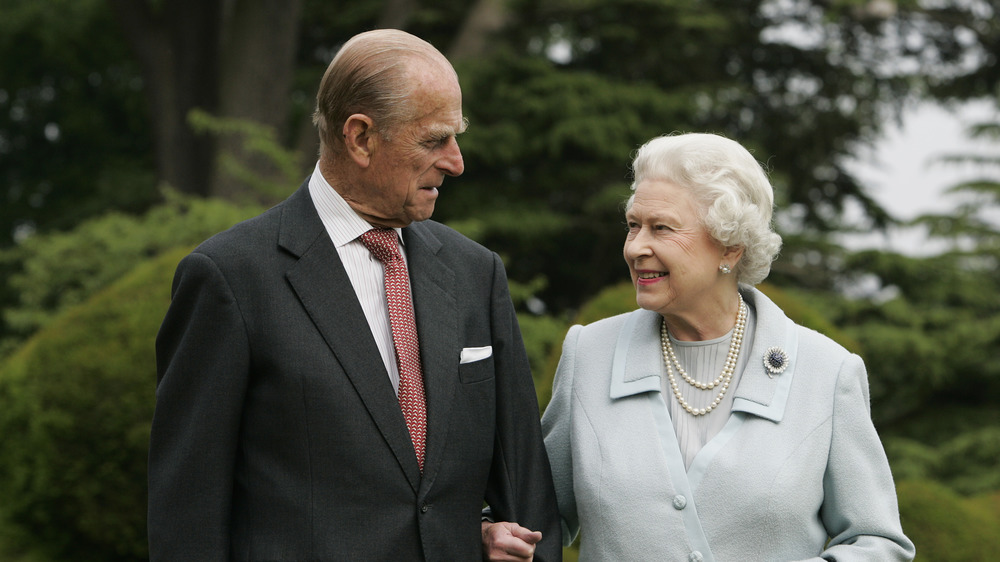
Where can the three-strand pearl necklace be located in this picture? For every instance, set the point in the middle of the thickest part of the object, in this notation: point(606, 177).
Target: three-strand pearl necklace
point(722, 382)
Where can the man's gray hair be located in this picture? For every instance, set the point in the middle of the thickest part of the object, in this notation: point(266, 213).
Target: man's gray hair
point(371, 75)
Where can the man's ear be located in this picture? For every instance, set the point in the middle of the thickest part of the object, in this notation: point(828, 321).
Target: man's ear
point(359, 138)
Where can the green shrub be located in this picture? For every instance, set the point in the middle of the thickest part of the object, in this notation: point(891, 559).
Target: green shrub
point(543, 336)
point(803, 311)
point(75, 407)
point(612, 301)
point(966, 463)
point(945, 526)
point(62, 269)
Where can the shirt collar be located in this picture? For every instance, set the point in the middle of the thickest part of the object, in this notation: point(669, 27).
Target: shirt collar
point(342, 223)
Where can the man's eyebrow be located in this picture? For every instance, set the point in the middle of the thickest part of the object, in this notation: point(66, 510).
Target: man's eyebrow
point(444, 131)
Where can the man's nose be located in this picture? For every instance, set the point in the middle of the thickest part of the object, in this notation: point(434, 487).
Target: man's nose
point(452, 162)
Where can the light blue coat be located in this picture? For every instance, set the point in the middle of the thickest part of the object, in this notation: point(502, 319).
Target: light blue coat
point(797, 473)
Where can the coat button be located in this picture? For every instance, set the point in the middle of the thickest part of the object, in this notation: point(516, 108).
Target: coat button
point(680, 502)
point(696, 557)
point(424, 508)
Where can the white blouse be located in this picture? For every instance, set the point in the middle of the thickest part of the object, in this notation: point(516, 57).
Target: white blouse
point(703, 361)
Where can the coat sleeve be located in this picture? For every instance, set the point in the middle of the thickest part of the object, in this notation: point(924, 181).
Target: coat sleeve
point(202, 360)
point(520, 482)
point(860, 510)
point(558, 442)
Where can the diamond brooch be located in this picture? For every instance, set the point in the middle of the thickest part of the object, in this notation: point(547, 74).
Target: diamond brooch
point(775, 361)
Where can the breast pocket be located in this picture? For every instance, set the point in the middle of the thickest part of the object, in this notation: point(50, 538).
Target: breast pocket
point(475, 364)
point(476, 372)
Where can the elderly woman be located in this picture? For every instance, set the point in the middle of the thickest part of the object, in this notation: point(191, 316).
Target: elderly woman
point(707, 425)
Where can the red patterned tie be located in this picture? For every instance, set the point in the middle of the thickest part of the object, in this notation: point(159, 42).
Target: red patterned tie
point(383, 244)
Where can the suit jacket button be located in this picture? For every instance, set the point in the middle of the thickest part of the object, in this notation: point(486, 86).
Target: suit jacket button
point(424, 508)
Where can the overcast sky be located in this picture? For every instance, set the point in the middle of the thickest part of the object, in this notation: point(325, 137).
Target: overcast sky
point(902, 176)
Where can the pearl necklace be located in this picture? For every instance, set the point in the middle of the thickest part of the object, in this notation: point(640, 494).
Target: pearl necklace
point(735, 343)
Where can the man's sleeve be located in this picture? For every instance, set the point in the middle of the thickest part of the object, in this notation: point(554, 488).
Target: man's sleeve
point(520, 487)
point(202, 361)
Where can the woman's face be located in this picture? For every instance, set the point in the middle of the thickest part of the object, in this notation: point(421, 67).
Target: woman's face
point(673, 260)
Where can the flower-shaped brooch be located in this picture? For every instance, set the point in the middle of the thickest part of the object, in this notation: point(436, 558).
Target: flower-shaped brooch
point(775, 361)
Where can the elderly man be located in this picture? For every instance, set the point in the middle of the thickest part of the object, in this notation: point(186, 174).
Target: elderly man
point(339, 378)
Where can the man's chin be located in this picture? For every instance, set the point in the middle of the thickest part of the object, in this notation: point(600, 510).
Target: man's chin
point(420, 214)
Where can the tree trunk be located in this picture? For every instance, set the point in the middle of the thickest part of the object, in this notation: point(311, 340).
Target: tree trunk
point(484, 19)
point(258, 43)
point(177, 47)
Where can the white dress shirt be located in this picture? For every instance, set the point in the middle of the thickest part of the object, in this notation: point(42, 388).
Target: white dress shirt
point(366, 272)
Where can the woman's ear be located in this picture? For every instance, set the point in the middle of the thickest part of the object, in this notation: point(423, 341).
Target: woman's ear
point(359, 138)
point(732, 255)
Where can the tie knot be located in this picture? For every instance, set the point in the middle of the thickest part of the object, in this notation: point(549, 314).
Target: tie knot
point(382, 243)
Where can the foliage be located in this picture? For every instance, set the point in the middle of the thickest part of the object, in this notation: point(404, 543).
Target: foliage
point(259, 142)
point(614, 300)
point(559, 100)
point(543, 336)
point(74, 140)
point(546, 164)
point(79, 399)
point(954, 444)
point(769, 74)
point(569, 91)
point(929, 329)
point(966, 463)
point(970, 224)
point(62, 269)
point(945, 526)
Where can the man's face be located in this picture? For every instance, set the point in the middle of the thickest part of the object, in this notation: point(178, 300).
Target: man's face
point(406, 170)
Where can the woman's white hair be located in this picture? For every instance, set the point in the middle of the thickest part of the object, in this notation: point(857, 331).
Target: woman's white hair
point(736, 198)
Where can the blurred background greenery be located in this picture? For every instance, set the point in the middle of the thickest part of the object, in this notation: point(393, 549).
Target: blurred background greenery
point(130, 130)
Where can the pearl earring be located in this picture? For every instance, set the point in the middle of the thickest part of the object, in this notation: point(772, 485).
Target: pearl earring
point(725, 269)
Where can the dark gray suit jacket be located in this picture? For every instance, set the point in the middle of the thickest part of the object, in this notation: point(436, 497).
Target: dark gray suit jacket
point(277, 434)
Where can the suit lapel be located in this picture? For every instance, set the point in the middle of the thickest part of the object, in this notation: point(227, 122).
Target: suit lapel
point(322, 285)
point(432, 282)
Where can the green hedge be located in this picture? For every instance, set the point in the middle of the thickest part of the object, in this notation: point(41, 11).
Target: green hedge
point(57, 270)
point(75, 408)
point(946, 526)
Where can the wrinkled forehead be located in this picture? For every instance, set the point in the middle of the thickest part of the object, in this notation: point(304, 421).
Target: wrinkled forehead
point(436, 95)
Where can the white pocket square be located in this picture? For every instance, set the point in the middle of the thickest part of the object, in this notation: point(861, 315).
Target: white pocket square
point(471, 354)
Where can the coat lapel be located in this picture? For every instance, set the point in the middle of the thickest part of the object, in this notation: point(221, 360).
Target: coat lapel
point(432, 282)
point(758, 393)
point(638, 365)
point(322, 285)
